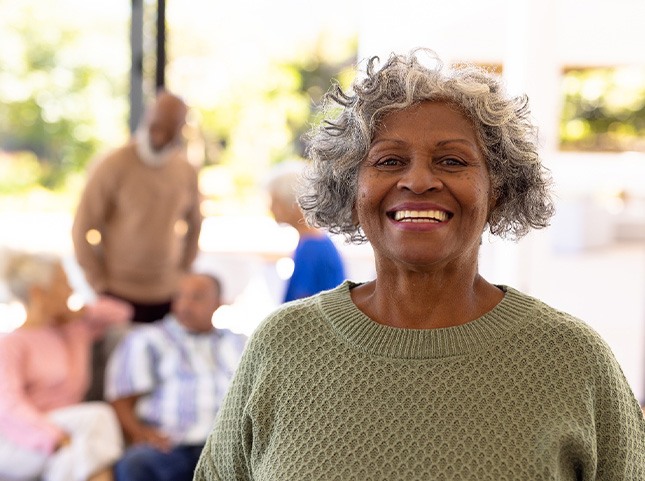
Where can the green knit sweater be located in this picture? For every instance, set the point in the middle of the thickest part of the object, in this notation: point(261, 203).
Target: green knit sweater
point(524, 393)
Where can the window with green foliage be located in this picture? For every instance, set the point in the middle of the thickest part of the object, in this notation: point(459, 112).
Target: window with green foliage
point(603, 109)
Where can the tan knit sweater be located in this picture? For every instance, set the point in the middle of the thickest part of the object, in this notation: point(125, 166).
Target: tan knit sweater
point(525, 393)
point(149, 219)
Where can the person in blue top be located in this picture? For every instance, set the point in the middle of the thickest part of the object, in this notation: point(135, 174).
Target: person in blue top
point(318, 265)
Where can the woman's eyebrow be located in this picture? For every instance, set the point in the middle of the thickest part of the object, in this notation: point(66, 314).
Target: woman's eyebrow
point(466, 142)
point(386, 139)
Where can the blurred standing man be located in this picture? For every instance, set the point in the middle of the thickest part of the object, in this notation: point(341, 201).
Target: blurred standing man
point(137, 225)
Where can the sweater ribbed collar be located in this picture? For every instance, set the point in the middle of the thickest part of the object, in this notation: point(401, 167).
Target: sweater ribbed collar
point(377, 339)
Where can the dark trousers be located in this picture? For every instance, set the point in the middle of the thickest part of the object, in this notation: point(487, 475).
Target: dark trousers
point(142, 462)
point(145, 312)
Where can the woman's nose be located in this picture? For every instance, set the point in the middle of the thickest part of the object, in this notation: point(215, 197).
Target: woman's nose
point(420, 177)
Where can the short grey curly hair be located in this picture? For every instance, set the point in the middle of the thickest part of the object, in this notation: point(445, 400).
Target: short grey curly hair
point(507, 137)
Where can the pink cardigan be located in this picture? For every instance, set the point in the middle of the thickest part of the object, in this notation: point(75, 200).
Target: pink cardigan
point(46, 368)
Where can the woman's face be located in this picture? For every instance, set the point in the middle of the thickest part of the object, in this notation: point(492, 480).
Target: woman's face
point(424, 191)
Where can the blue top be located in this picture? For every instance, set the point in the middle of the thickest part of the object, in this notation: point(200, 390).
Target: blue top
point(317, 267)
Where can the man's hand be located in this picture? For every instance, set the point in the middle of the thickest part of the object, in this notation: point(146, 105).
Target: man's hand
point(62, 442)
point(136, 431)
point(149, 435)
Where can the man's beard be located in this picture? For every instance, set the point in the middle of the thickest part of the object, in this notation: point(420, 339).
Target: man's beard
point(149, 156)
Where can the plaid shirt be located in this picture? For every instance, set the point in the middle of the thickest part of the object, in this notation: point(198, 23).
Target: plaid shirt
point(182, 376)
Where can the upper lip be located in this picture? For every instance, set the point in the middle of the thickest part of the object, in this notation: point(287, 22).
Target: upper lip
point(426, 209)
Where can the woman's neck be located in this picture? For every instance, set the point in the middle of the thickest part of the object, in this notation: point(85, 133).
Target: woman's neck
point(426, 300)
point(37, 316)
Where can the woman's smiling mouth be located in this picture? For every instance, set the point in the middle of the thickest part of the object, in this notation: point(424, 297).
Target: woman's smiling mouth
point(433, 216)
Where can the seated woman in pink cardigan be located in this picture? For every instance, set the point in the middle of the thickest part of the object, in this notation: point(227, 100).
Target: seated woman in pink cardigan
point(46, 432)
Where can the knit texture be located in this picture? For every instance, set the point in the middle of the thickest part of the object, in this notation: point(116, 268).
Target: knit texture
point(523, 393)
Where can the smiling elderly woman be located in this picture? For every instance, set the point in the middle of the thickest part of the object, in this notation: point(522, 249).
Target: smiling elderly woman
point(428, 371)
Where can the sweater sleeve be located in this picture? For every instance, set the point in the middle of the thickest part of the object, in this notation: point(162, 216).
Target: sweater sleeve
point(194, 223)
point(106, 312)
point(227, 453)
point(619, 423)
point(20, 420)
point(91, 213)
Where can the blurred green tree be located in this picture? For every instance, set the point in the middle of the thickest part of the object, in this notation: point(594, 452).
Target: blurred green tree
point(261, 119)
point(62, 86)
point(604, 109)
point(63, 96)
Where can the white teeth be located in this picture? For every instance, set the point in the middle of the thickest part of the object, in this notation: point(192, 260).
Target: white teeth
point(420, 216)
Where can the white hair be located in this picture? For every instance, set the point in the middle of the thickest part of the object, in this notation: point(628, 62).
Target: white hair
point(284, 180)
point(23, 270)
point(149, 156)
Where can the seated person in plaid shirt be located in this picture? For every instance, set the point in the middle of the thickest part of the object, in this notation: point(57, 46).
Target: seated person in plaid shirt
point(166, 381)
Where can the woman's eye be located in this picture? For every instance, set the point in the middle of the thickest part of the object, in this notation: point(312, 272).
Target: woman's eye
point(452, 161)
point(388, 162)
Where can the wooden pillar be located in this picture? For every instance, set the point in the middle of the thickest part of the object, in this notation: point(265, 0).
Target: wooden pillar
point(160, 74)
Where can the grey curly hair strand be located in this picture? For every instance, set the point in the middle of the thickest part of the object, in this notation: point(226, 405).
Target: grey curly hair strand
point(508, 139)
